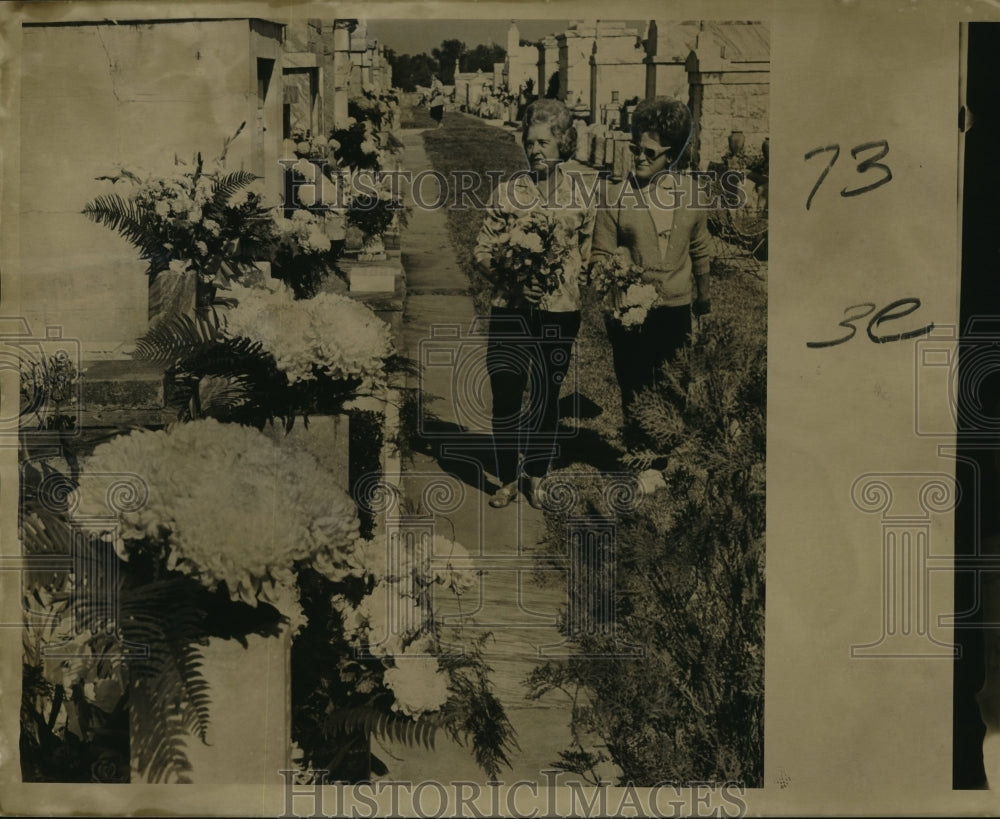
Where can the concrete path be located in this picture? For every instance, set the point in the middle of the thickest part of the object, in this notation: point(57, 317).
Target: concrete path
point(518, 600)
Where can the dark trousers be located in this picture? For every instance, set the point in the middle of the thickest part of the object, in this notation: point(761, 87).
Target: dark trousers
point(640, 353)
point(527, 357)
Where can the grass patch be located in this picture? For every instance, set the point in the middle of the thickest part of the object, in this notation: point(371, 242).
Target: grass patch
point(413, 116)
point(468, 144)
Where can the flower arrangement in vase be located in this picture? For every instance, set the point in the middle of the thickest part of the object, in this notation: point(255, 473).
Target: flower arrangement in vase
point(196, 227)
point(373, 214)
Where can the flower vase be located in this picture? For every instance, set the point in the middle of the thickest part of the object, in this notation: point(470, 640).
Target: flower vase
point(251, 679)
point(205, 296)
point(737, 141)
point(372, 248)
point(172, 293)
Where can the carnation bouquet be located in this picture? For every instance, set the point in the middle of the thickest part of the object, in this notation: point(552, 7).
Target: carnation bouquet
point(302, 256)
point(619, 284)
point(373, 213)
point(389, 673)
point(530, 252)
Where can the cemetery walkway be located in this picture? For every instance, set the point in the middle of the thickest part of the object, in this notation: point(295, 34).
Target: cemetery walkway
point(517, 601)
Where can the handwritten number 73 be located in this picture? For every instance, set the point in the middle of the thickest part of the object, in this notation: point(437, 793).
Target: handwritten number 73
point(872, 163)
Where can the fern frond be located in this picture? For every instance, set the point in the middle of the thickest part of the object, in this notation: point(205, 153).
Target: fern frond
point(225, 187)
point(157, 743)
point(198, 703)
point(177, 336)
point(368, 720)
point(218, 396)
point(126, 218)
point(169, 696)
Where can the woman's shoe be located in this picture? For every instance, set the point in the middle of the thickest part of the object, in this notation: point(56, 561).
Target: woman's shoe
point(536, 495)
point(504, 495)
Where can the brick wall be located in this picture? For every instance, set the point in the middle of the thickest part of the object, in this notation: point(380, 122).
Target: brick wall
point(729, 105)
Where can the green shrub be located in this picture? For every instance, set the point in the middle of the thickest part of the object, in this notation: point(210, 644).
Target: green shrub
point(689, 567)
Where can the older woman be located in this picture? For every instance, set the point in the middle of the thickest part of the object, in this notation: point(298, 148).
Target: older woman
point(436, 102)
point(532, 328)
point(653, 221)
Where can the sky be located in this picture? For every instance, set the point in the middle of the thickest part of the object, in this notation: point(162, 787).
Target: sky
point(416, 36)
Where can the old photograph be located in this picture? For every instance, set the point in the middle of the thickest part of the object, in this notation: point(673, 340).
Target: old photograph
point(393, 403)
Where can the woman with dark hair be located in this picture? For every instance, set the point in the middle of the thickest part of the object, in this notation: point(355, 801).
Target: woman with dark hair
point(531, 329)
point(652, 220)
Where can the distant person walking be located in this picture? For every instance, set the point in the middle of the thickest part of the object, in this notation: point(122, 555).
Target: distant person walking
point(436, 103)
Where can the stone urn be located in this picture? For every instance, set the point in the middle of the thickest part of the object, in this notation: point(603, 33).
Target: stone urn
point(372, 248)
point(765, 148)
point(737, 142)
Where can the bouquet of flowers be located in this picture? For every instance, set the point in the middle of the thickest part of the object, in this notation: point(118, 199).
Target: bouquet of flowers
point(302, 234)
point(363, 147)
point(387, 672)
point(200, 219)
point(301, 254)
point(530, 252)
point(375, 108)
point(373, 213)
point(304, 144)
point(619, 283)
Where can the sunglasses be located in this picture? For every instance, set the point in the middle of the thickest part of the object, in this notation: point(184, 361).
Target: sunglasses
point(651, 154)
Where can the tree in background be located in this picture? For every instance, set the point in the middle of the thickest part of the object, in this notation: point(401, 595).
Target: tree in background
point(446, 55)
point(483, 57)
point(411, 70)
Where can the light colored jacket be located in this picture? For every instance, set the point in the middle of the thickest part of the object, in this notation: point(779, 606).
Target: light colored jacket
point(575, 216)
point(624, 221)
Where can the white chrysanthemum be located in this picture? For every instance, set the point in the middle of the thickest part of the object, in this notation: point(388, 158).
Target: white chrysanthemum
point(370, 558)
point(633, 316)
point(449, 555)
point(332, 334)
point(304, 232)
point(317, 241)
point(529, 241)
point(228, 504)
point(636, 302)
point(418, 685)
